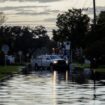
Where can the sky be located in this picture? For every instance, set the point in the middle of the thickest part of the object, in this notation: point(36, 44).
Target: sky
point(43, 12)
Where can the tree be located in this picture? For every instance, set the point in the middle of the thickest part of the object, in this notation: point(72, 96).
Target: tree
point(40, 31)
point(95, 40)
point(23, 38)
point(73, 26)
point(101, 18)
point(58, 35)
point(2, 20)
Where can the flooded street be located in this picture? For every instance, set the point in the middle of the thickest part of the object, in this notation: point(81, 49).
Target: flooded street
point(51, 88)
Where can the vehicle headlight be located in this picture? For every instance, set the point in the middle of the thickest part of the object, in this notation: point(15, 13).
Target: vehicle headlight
point(55, 62)
point(67, 61)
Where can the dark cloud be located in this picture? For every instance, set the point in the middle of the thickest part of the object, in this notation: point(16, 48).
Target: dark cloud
point(21, 21)
point(98, 10)
point(47, 0)
point(52, 11)
point(50, 20)
point(44, 1)
point(30, 12)
point(21, 7)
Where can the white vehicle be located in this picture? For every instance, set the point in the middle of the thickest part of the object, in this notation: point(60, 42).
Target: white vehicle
point(52, 61)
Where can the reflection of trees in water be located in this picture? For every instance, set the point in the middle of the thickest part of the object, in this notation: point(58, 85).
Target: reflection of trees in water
point(79, 78)
point(75, 76)
point(63, 85)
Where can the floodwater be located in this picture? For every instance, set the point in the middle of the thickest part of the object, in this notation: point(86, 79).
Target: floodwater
point(52, 88)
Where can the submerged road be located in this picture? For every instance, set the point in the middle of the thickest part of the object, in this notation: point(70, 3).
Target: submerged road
point(51, 88)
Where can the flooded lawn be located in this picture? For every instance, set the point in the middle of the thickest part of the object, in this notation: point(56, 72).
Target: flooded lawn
point(52, 88)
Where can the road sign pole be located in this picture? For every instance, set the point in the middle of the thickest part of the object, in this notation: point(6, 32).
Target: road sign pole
point(20, 56)
point(5, 60)
point(5, 49)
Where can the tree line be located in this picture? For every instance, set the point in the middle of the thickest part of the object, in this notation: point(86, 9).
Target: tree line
point(72, 25)
point(25, 39)
point(75, 26)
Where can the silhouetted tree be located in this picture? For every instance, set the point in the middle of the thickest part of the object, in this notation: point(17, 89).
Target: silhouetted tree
point(24, 38)
point(40, 31)
point(95, 40)
point(73, 26)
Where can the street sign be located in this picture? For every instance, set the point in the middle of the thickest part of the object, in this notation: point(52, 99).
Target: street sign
point(5, 48)
point(67, 45)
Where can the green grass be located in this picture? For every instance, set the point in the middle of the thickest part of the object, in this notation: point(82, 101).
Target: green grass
point(6, 70)
point(99, 69)
point(81, 65)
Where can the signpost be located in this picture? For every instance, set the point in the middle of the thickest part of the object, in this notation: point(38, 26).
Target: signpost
point(20, 56)
point(67, 45)
point(5, 49)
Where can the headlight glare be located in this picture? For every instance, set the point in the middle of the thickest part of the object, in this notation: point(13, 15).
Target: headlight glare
point(67, 61)
point(55, 62)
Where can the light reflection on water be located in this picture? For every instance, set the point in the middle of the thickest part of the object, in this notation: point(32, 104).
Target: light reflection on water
point(51, 88)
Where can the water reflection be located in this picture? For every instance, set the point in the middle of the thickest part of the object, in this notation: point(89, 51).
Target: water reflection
point(52, 88)
point(54, 78)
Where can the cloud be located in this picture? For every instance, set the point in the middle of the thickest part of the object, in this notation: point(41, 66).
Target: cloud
point(21, 8)
point(47, 0)
point(21, 21)
point(32, 12)
point(24, 10)
point(35, 12)
point(50, 19)
point(29, 10)
point(98, 10)
point(43, 1)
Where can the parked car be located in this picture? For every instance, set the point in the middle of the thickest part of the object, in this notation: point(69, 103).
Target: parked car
point(51, 61)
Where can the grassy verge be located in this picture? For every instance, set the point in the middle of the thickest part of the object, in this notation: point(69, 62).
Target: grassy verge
point(81, 65)
point(102, 70)
point(99, 69)
point(6, 70)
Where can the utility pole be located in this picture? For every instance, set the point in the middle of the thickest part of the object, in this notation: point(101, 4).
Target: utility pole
point(94, 9)
point(94, 25)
